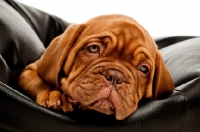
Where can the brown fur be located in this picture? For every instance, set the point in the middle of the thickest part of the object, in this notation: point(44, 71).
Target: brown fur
point(68, 74)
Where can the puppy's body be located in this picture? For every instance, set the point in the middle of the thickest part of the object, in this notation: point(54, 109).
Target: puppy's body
point(107, 64)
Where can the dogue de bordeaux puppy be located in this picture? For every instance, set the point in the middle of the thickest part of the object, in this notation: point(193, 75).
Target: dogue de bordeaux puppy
point(107, 64)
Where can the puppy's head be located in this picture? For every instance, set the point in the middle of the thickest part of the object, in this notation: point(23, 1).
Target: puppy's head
point(106, 64)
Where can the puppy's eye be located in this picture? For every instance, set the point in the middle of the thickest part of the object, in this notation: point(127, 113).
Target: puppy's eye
point(144, 69)
point(93, 49)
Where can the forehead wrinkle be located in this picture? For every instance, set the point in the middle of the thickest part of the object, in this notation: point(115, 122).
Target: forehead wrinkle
point(140, 54)
point(129, 37)
point(123, 39)
point(110, 42)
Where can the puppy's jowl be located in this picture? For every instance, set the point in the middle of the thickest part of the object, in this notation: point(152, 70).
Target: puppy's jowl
point(107, 64)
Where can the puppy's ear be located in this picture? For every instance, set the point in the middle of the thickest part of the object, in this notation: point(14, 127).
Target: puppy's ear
point(51, 62)
point(162, 82)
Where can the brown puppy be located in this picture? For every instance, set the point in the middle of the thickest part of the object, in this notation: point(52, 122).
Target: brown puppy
point(106, 64)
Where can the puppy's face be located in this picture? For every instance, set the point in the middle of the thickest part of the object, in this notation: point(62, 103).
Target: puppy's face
point(110, 73)
point(109, 80)
point(109, 64)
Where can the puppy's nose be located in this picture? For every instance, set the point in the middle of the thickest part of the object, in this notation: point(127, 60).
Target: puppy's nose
point(114, 76)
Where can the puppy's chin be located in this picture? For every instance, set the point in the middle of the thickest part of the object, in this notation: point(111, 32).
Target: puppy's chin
point(105, 106)
point(108, 109)
point(102, 105)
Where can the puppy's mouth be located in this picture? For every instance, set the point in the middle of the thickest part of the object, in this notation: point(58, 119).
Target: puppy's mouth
point(104, 105)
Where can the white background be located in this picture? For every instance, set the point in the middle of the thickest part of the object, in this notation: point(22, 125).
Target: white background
point(159, 17)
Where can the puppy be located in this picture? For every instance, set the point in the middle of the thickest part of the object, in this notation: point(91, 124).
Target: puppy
point(107, 64)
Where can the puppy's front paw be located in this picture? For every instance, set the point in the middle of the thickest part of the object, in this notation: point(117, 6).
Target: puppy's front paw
point(54, 99)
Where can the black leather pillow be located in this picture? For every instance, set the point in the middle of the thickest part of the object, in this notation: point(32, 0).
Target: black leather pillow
point(183, 60)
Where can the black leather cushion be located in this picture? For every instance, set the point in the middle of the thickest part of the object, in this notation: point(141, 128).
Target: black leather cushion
point(23, 42)
point(166, 41)
point(16, 38)
point(183, 60)
point(23, 39)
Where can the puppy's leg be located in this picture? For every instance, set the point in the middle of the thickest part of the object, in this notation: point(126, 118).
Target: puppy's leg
point(44, 95)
